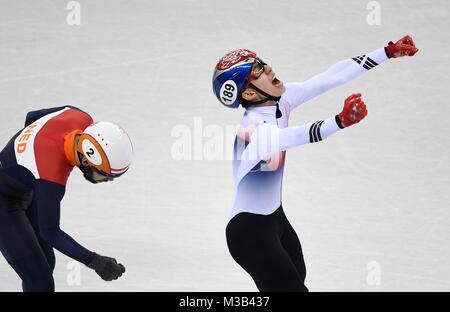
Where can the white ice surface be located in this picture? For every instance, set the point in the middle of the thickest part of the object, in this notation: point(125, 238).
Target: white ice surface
point(378, 191)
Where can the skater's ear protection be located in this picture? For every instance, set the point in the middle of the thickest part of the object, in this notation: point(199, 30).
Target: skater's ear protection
point(93, 154)
point(69, 150)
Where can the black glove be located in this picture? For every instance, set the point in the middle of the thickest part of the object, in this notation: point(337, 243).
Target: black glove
point(107, 268)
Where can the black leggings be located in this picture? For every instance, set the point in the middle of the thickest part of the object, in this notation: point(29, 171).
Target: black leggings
point(268, 248)
point(31, 257)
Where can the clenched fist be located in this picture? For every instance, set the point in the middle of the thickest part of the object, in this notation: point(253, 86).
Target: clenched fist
point(107, 268)
point(403, 47)
point(354, 110)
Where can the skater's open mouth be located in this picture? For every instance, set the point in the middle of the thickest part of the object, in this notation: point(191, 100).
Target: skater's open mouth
point(276, 82)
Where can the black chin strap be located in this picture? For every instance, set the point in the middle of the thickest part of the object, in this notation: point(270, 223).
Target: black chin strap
point(278, 114)
point(269, 97)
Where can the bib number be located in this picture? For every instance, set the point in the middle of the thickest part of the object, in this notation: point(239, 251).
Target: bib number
point(228, 92)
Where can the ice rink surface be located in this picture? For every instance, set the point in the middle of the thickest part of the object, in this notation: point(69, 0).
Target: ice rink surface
point(372, 199)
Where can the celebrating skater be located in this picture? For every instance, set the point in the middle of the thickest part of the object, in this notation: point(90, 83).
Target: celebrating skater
point(34, 168)
point(259, 236)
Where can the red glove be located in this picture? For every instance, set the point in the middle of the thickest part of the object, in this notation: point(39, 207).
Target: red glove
point(354, 111)
point(403, 47)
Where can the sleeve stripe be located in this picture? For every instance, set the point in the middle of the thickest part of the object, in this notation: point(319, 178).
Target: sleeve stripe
point(310, 133)
point(365, 62)
point(371, 61)
point(314, 132)
point(367, 65)
point(318, 130)
point(359, 59)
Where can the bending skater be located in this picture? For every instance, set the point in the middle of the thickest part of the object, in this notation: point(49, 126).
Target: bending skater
point(34, 168)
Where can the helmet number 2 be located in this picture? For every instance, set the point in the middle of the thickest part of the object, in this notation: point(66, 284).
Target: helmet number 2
point(90, 152)
point(228, 92)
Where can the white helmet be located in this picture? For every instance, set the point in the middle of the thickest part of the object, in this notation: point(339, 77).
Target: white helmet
point(107, 148)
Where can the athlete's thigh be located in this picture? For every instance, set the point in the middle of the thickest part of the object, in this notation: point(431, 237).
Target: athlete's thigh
point(17, 237)
point(291, 243)
point(21, 248)
point(254, 244)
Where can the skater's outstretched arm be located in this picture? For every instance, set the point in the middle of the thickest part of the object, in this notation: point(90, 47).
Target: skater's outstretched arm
point(267, 140)
point(344, 71)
